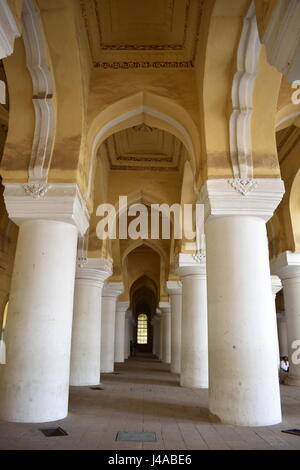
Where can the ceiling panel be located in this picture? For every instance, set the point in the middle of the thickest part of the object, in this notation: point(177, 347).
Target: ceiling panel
point(142, 33)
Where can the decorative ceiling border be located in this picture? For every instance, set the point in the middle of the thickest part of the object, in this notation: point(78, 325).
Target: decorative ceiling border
point(144, 159)
point(143, 65)
point(136, 167)
point(135, 47)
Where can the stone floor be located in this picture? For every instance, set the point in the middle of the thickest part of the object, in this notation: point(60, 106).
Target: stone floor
point(144, 396)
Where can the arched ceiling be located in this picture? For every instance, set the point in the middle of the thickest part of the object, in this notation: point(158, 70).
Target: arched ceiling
point(143, 147)
point(135, 34)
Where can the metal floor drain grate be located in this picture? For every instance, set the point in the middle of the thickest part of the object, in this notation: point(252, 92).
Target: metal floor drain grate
point(140, 389)
point(136, 436)
point(97, 388)
point(54, 432)
point(296, 432)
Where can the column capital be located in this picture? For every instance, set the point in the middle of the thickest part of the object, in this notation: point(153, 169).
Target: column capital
point(112, 289)
point(286, 265)
point(190, 264)
point(122, 307)
point(95, 270)
point(164, 307)
point(276, 284)
point(174, 287)
point(60, 202)
point(253, 197)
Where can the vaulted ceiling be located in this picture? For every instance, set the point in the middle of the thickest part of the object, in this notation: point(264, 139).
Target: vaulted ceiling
point(142, 33)
point(144, 148)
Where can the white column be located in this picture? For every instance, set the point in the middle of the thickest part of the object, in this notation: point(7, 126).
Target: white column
point(121, 309)
point(166, 332)
point(110, 292)
point(194, 348)
point(243, 373)
point(34, 384)
point(126, 342)
point(9, 30)
point(276, 287)
point(161, 335)
point(156, 335)
point(282, 334)
point(287, 267)
point(86, 332)
point(174, 290)
point(128, 333)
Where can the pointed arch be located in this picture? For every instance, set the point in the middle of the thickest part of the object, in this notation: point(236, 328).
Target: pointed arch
point(148, 108)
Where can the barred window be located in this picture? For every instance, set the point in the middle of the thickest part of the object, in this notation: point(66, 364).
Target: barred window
point(142, 329)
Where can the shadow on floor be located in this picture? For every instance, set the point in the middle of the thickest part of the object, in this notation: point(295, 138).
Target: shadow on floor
point(153, 408)
point(138, 380)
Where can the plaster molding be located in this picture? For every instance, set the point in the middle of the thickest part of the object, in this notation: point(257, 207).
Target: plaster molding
point(165, 307)
point(174, 287)
point(242, 97)
point(122, 307)
point(36, 190)
point(286, 265)
point(243, 186)
point(38, 64)
point(282, 39)
point(9, 30)
point(188, 265)
point(95, 270)
point(112, 289)
point(61, 202)
point(276, 284)
point(222, 199)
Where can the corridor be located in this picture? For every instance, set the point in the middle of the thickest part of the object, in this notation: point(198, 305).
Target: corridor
point(143, 396)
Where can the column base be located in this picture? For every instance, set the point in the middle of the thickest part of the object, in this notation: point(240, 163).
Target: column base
point(193, 384)
point(245, 421)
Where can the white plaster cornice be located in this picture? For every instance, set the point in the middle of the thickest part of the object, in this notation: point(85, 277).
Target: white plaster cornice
point(221, 198)
point(164, 307)
point(95, 270)
point(286, 265)
point(188, 265)
point(122, 307)
point(61, 202)
point(8, 30)
point(112, 289)
point(174, 287)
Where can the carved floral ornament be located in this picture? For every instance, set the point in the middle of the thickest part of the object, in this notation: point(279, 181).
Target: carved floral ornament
point(36, 190)
point(199, 257)
point(243, 185)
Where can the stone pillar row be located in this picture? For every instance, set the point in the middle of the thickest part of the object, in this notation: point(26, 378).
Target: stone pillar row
point(86, 331)
point(226, 313)
point(108, 325)
point(287, 266)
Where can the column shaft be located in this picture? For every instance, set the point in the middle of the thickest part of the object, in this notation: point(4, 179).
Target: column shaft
point(194, 348)
point(86, 332)
point(34, 385)
point(110, 293)
point(120, 331)
point(166, 332)
point(243, 380)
